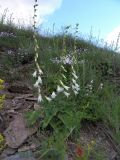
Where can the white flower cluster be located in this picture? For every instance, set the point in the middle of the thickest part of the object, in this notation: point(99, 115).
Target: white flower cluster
point(75, 85)
point(38, 83)
point(66, 59)
point(37, 73)
point(100, 86)
point(89, 87)
point(63, 59)
point(62, 87)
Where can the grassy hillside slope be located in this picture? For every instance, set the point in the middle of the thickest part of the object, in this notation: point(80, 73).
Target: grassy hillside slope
point(96, 66)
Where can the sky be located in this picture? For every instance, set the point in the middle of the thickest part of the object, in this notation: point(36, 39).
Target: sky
point(101, 18)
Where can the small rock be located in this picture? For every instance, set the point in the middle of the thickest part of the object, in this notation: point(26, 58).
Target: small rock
point(31, 99)
point(17, 132)
point(26, 156)
point(18, 88)
point(27, 148)
point(7, 152)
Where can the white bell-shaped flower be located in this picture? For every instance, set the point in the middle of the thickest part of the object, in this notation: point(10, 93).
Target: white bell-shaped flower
point(39, 80)
point(53, 95)
point(75, 92)
point(74, 75)
point(36, 85)
point(64, 86)
point(63, 68)
point(74, 81)
point(48, 98)
point(34, 74)
point(40, 98)
point(66, 94)
point(59, 89)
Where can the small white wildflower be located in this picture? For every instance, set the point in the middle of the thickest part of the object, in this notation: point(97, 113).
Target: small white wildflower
point(66, 94)
point(59, 89)
point(73, 70)
point(73, 87)
point(37, 46)
point(77, 89)
point(76, 85)
point(76, 92)
point(74, 75)
point(34, 74)
point(36, 54)
point(36, 85)
point(67, 60)
point(40, 98)
point(53, 95)
point(63, 68)
point(63, 76)
point(48, 98)
point(39, 69)
point(90, 87)
point(35, 59)
point(39, 80)
point(91, 81)
point(35, 49)
point(61, 83)
point(64, 86)
point(101, 85)
point(74, 81)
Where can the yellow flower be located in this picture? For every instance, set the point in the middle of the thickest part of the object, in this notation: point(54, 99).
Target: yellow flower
point(1, 101)
point(2, 97)
point(1, 138)
point(1, 81)
point(2, 142)
point(1, 87)
point(91, 145)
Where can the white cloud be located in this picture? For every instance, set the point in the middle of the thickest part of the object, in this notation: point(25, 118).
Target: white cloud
point(23, 9)
point(113, 38)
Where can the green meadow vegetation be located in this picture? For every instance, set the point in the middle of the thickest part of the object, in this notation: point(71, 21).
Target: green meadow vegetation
point(98, 77)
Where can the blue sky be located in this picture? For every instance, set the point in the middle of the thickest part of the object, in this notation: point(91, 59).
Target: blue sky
point(102, 15)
